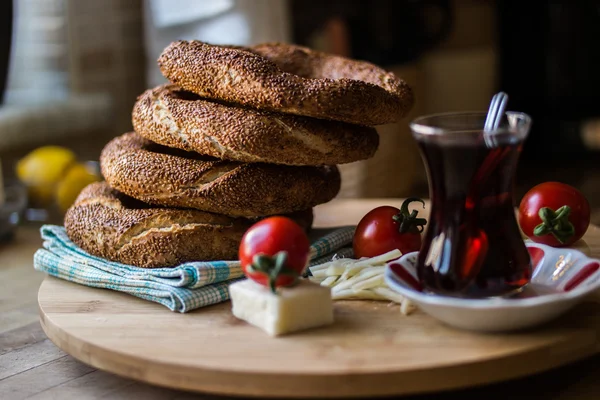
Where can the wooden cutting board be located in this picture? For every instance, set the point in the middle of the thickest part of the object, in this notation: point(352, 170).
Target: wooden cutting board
point(370, 350)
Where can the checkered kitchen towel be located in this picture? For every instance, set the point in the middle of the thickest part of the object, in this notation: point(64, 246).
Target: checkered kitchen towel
point(182, 288)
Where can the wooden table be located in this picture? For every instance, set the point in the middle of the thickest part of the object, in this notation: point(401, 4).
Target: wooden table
point(32, 367)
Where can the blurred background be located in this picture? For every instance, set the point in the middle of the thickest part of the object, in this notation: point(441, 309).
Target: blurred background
point(70, 71)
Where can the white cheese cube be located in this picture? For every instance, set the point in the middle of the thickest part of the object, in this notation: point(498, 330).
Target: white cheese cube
point(305, 305)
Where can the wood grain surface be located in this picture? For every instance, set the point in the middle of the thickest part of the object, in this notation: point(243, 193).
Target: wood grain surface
point(370, 350)
point(30, 367)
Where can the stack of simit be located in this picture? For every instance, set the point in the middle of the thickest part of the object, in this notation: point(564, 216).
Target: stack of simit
point(237, 135)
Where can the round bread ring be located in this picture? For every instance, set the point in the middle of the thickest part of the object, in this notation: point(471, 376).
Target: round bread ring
point(108, 224)
point(169, 177)
point(176, 118)
point(289, 79)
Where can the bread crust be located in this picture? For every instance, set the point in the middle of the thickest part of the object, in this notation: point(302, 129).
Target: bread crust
point(289, 79)
point(175, 118)
point(111, 225)
point(168, 177)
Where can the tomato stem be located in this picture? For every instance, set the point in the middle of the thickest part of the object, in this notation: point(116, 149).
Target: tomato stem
point(273, 267)
point(408, 220)
point(556, 223)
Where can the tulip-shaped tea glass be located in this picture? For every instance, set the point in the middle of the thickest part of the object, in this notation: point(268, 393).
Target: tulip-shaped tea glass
point(472, 246)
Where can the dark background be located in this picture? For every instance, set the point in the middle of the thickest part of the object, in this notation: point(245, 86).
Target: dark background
point(548, 55)
point(547, 60)
point(6, 19)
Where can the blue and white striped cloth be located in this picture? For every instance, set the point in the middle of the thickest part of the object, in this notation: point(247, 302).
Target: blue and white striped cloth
point(182, 288)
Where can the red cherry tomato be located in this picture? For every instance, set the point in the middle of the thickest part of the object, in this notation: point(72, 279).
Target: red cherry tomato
point(555, 214)
point(387, 228)
point(274, 252)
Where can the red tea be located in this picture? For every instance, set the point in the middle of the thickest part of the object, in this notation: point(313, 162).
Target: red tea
point(472, 246)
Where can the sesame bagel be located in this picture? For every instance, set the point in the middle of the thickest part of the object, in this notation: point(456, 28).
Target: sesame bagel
point(108, 224)
point(289, 79)
point(180, 119)
point(169, 177)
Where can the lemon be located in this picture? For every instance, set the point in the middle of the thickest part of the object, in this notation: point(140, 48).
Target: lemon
point(76, 178)
point(42, 169)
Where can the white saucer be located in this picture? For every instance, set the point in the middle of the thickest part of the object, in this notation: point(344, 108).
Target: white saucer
point(562, 277)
